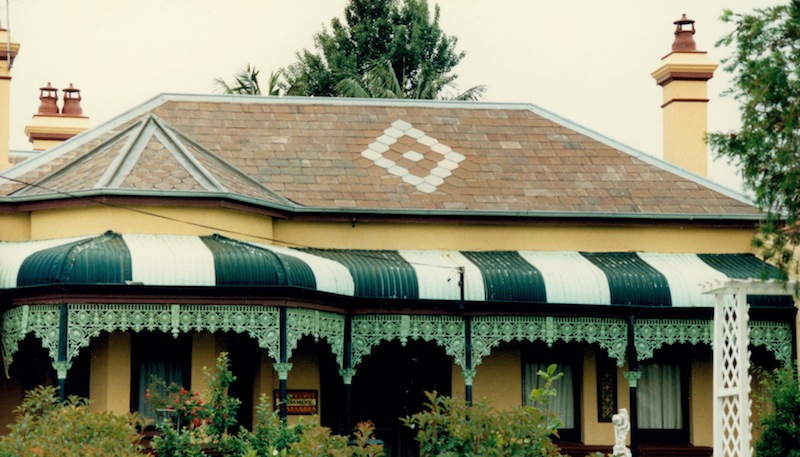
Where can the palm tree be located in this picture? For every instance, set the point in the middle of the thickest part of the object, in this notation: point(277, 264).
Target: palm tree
point(382, 81)
point(246, 83)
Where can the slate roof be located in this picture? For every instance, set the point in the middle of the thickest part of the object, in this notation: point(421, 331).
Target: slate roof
point(413, 156)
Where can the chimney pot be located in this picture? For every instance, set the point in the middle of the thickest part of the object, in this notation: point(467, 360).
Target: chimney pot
point(48, 96)
point(72, 102)
point(684, 41)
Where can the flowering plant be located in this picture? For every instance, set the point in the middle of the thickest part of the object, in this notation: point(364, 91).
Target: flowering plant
point(176, 403)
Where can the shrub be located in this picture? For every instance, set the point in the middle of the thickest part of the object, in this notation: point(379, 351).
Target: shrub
point(46, 426)
point(196, 427)
point(780, 427)
point(451, 428)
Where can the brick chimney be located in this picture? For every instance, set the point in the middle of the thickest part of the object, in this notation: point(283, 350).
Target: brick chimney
point(683, 76)
point(51, 126)
point(8, 51)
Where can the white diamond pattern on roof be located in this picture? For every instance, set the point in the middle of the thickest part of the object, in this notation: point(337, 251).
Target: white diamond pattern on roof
point(404, 164)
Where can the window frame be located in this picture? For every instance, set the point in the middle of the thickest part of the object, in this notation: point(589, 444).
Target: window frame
point(564, 354)
point(671, 356)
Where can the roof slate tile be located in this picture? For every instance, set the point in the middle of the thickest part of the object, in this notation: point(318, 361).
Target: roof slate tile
point(310, 152)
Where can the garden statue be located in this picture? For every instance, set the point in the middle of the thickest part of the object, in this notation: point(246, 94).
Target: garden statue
point(621, 427)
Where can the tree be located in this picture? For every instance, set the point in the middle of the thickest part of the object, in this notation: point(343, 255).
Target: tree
point(246, 83)
point(766, 81)
point(384, 48)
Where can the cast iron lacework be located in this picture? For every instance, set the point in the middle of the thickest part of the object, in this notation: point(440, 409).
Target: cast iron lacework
point(489, 331)
point(42, 320)
point(652, 334)
point(87, 321)
point(369, 331)
point(319, 324)
point(775, 337)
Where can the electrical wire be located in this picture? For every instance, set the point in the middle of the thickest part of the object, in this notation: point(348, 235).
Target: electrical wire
point(360, 252)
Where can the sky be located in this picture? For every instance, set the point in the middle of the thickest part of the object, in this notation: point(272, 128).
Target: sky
point(588, 61)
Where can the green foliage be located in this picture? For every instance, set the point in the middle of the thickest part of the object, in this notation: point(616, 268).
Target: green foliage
point(766, 81)
point(246, 83)
point(382, 49)
point(48, 427)
point(194, 427)
point(451, 428)
point(780, 427)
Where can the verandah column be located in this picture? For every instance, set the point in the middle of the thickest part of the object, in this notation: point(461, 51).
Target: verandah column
point(283, 366)
point(347, 372)
point(61, 364)
point(467, 370)
point(632, 376)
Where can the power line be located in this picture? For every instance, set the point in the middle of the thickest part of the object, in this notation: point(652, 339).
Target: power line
point(358, 252)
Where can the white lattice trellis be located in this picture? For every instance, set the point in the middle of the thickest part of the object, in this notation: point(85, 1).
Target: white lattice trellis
point(732, 404)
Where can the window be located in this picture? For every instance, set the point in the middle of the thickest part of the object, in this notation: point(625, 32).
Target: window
point(567, 400)
point(662, 400)
point(160, 355)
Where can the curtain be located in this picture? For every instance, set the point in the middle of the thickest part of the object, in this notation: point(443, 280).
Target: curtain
point(163, 368)
point(659, 396)
point(563, 404)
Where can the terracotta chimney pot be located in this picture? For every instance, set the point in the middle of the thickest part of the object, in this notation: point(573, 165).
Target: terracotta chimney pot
point(72, 102)
point(49, 98)
point(684, 39)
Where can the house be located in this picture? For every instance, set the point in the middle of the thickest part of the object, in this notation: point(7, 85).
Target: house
point(355, 253)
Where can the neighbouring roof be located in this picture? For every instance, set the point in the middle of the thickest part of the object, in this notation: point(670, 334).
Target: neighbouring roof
point(346, 154)
point(579, 278)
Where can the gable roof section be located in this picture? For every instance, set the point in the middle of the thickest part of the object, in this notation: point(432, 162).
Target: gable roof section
point(149, 155)
point(404, 156)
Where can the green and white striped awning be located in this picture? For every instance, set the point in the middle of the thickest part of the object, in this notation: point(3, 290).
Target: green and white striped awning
point(583, 278)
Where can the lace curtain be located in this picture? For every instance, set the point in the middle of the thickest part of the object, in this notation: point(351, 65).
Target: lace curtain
point(563, 404)
point(659, 396)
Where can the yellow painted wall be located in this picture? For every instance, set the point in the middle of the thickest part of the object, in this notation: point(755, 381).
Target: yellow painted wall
point(498, 378)
point(110, 373)
point(369, 235)
point(5, 91)
point(685, 126)
point(15, 226)
point(94, 220)
point(593, 432)
point(205, 349)
point(701, 398)
point(304, 375)
point(516, 237)
point(265, 380)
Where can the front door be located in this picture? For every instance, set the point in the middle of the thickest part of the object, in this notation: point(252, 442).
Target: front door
point(390, 383)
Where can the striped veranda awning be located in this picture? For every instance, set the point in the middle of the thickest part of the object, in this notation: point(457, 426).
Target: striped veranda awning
point(582, 278)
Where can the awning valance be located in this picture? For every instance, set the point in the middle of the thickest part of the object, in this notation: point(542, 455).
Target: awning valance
point(609, 278)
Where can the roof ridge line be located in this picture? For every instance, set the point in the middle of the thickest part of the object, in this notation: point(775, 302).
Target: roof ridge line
point(82, 138)
point(197, 170)
point(125, 159)
point(102, 147)
point(225, 164)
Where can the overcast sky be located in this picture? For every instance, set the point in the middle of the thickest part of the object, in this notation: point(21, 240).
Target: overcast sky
point(588, 61)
